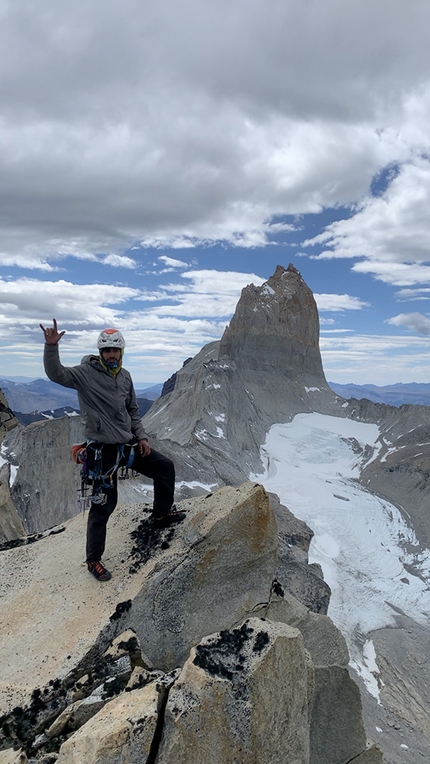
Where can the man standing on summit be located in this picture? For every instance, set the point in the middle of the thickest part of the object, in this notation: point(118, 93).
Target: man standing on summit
point(115, 436)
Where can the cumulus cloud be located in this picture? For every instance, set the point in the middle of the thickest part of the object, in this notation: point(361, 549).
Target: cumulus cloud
point(413, 294)
point(390, 233)
point(79, 309)
point(203, 293)
point(339, 302)
point(172, 262)
point(138, 126)
point(119, 261)
point(416, 322)
point(162, 327)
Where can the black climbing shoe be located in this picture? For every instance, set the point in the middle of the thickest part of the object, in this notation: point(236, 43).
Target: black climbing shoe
point(99, 571)
point(172, 516)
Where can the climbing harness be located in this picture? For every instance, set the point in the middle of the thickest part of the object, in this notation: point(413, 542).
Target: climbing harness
point(99, 482)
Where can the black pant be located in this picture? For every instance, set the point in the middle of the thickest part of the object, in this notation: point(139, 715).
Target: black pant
point(102, 458)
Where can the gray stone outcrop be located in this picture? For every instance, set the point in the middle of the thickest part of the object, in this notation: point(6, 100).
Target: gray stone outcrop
point(242, 696)
point(222, 570)
point(10, 523)
point(123, 731)
point(293, 571)
point(43, 491)
point(171, 586)
point(11, 526)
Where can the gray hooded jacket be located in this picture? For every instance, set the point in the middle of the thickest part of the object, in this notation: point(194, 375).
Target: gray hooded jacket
point(108, 403)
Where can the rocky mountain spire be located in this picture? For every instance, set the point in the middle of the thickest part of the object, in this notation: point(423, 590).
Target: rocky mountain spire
point(265, 369)
point(276, 328)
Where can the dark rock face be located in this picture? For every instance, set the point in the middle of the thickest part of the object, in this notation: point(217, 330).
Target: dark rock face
point(7, 418)
point(169, 384)
point(275, 329)
point(305, 582)
point(44, 490)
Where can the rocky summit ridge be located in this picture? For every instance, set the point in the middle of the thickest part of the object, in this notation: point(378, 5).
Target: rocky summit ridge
point(172, 596)
point(193, 653)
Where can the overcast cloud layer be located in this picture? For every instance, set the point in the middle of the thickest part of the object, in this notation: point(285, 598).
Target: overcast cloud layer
point(179, 124)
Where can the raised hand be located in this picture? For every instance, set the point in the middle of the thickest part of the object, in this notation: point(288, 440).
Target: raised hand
point(52, 335)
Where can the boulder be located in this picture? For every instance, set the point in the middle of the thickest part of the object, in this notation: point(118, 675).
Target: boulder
point(220, 572)
point(241, 698)
point(13, 757)
point(122, 732)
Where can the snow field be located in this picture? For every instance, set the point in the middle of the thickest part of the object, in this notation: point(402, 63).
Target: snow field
point(362, 542)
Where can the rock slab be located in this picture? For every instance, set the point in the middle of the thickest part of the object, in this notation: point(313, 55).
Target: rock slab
point(241, 698)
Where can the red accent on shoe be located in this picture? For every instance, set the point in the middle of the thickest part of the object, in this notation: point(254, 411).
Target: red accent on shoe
point(99, 571)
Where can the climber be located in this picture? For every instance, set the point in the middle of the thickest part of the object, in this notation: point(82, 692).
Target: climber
point(115, 436)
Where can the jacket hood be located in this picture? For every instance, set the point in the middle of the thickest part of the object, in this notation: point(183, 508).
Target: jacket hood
point(93, 360)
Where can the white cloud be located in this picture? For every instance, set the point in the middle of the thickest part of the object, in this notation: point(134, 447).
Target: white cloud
point(413, 294)
point(119, 261)
point(184, 124)
point(172, 263)
point(26, 302)
point(390, 233)
point(394, 273)
point(339, 302)
point(379, 359)
point(197, 122)
point(203, 293)
point(416, 322)
point(172, 324)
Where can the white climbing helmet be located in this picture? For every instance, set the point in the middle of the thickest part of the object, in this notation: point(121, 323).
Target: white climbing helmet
point(110, 338)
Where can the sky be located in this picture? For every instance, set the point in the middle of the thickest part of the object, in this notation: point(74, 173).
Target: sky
point(155, 158)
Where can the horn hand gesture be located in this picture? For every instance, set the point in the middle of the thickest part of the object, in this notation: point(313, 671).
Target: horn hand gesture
point(52, 335)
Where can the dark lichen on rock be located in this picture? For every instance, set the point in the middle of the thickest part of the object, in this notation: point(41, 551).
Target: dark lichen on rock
point(148, 540)
point(225, 656)
point(121, 608)
point(277, 588)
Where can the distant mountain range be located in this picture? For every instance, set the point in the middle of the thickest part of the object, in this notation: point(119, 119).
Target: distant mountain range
point(37, 399)
point(42, 399)
point(36, 416)
point(395, 395)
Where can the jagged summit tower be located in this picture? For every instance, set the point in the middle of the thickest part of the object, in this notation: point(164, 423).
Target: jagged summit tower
point(275, 328)
point(265, 369)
